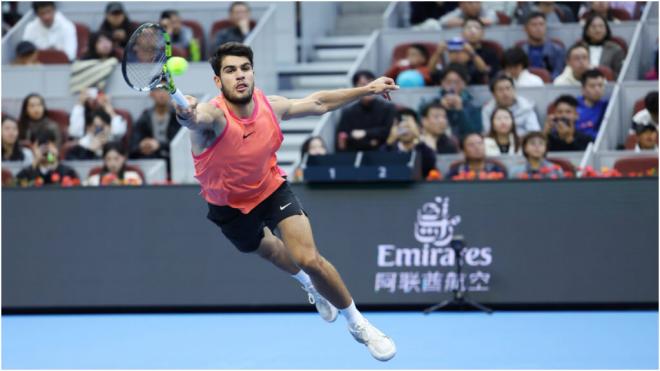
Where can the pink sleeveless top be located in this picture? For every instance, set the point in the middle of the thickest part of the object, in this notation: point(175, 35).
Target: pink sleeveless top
point(239, 169)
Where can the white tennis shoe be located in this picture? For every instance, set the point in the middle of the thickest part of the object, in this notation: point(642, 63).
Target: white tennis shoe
point(380, 345)
point(327, 311)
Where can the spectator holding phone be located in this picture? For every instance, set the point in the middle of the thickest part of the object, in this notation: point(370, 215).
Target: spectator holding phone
point(89, 101)
point(97, 134)
point(417, 58)
point(460, 52)
point(46, 168)
point(404, 138)
point(464, 116)
point(559, 127)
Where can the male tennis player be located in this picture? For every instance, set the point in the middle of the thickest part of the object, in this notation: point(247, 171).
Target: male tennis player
point(234, 140)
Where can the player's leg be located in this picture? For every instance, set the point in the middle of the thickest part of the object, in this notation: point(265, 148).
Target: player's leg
point(297, 236)
point(273, 250)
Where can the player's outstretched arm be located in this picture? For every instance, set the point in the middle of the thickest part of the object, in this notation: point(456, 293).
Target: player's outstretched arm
point(325, 101)
point(200, 116)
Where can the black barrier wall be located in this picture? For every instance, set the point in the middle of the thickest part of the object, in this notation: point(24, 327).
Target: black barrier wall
point(529, 243)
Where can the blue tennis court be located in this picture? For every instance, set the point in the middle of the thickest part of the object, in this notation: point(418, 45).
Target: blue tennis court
point(452, 340)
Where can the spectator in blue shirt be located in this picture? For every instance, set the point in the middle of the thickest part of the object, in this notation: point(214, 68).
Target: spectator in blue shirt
point(542, 52)
point(591, 104)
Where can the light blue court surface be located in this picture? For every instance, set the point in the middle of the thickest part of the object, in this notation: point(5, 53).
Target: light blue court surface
point(575, 340)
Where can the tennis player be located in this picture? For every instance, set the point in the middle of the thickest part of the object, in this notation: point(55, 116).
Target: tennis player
point(234, 140)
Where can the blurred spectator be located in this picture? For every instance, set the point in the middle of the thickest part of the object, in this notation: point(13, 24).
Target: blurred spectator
point(652, 73)
point(541, 50)
point(559, 127)
point(535, 149)
point(461, 53)
point(504, 95)
point(97, 134)
point(506, 7)
point(404, 138)
point(577, 60)
point(601, 8)
point(591, 105)
point(10, 15)
point(420, 11)
point(364, 125)
point(45, 168)
point(89, 101)
point(51, 30)
point(117, 24)
point(26, 54)
point(155, 128)
point(649, 115)
point(502, 138)
point(313, 146)
point(11, 148)
point(239, 15)
point(473, 33)
point(475, 159)
point(114, 170)
point(181, 35)
point(435, 132)
point(463, 114)
point(514, 63)
point(647, 138)
point(468, 9)
point(34, 118)
point(629, 6)
point(417, 57)
point(100, 47)
point(602, 50)
point(553, 12)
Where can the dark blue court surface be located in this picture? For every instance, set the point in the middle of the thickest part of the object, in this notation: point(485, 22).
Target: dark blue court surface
point(575, 340)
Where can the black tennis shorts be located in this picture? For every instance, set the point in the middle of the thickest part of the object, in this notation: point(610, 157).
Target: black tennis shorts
point(245, 231)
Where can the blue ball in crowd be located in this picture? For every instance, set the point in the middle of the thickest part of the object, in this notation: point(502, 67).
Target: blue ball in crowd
point(410, 79)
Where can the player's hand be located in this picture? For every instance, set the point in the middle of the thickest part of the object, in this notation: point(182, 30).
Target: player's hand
point(187, 113)
point(383, 85)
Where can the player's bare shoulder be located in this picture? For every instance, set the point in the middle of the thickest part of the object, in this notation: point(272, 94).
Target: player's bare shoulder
point(280, 105)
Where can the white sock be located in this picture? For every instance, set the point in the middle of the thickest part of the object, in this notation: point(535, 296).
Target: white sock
point(352, 314)
point(303, 278)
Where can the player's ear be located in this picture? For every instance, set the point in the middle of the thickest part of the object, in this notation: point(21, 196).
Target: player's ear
point(217, 81)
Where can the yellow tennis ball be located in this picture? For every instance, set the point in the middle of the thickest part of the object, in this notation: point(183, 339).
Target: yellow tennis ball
point(177, 65)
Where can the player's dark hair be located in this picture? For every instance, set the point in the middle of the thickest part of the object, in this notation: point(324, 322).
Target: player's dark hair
point(433, 105)
point(515, 57)
point(42, 4)
point(499, 78)
point(590, 74)
point(362, 73)
point(422, 49)
point(567, 99)
point(231, 48)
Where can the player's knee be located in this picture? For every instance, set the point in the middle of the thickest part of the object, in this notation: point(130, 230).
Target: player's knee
point(310, 262)
point(267, 247)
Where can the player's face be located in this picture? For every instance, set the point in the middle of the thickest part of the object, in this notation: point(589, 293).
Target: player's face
point(236, 79)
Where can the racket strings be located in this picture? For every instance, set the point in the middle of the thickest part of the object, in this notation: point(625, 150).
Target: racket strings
point(145, 58)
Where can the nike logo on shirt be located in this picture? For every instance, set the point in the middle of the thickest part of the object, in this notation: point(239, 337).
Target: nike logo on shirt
point(247, 135)
point(285, 206)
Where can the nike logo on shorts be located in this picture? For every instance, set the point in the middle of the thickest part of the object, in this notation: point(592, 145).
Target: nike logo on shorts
point(247, 135)
point(285, 206)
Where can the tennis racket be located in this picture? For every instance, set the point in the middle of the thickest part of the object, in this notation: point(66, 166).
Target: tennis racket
point(144, 64)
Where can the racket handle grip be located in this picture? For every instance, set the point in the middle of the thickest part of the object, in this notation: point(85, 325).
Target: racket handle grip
point(180, 99)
